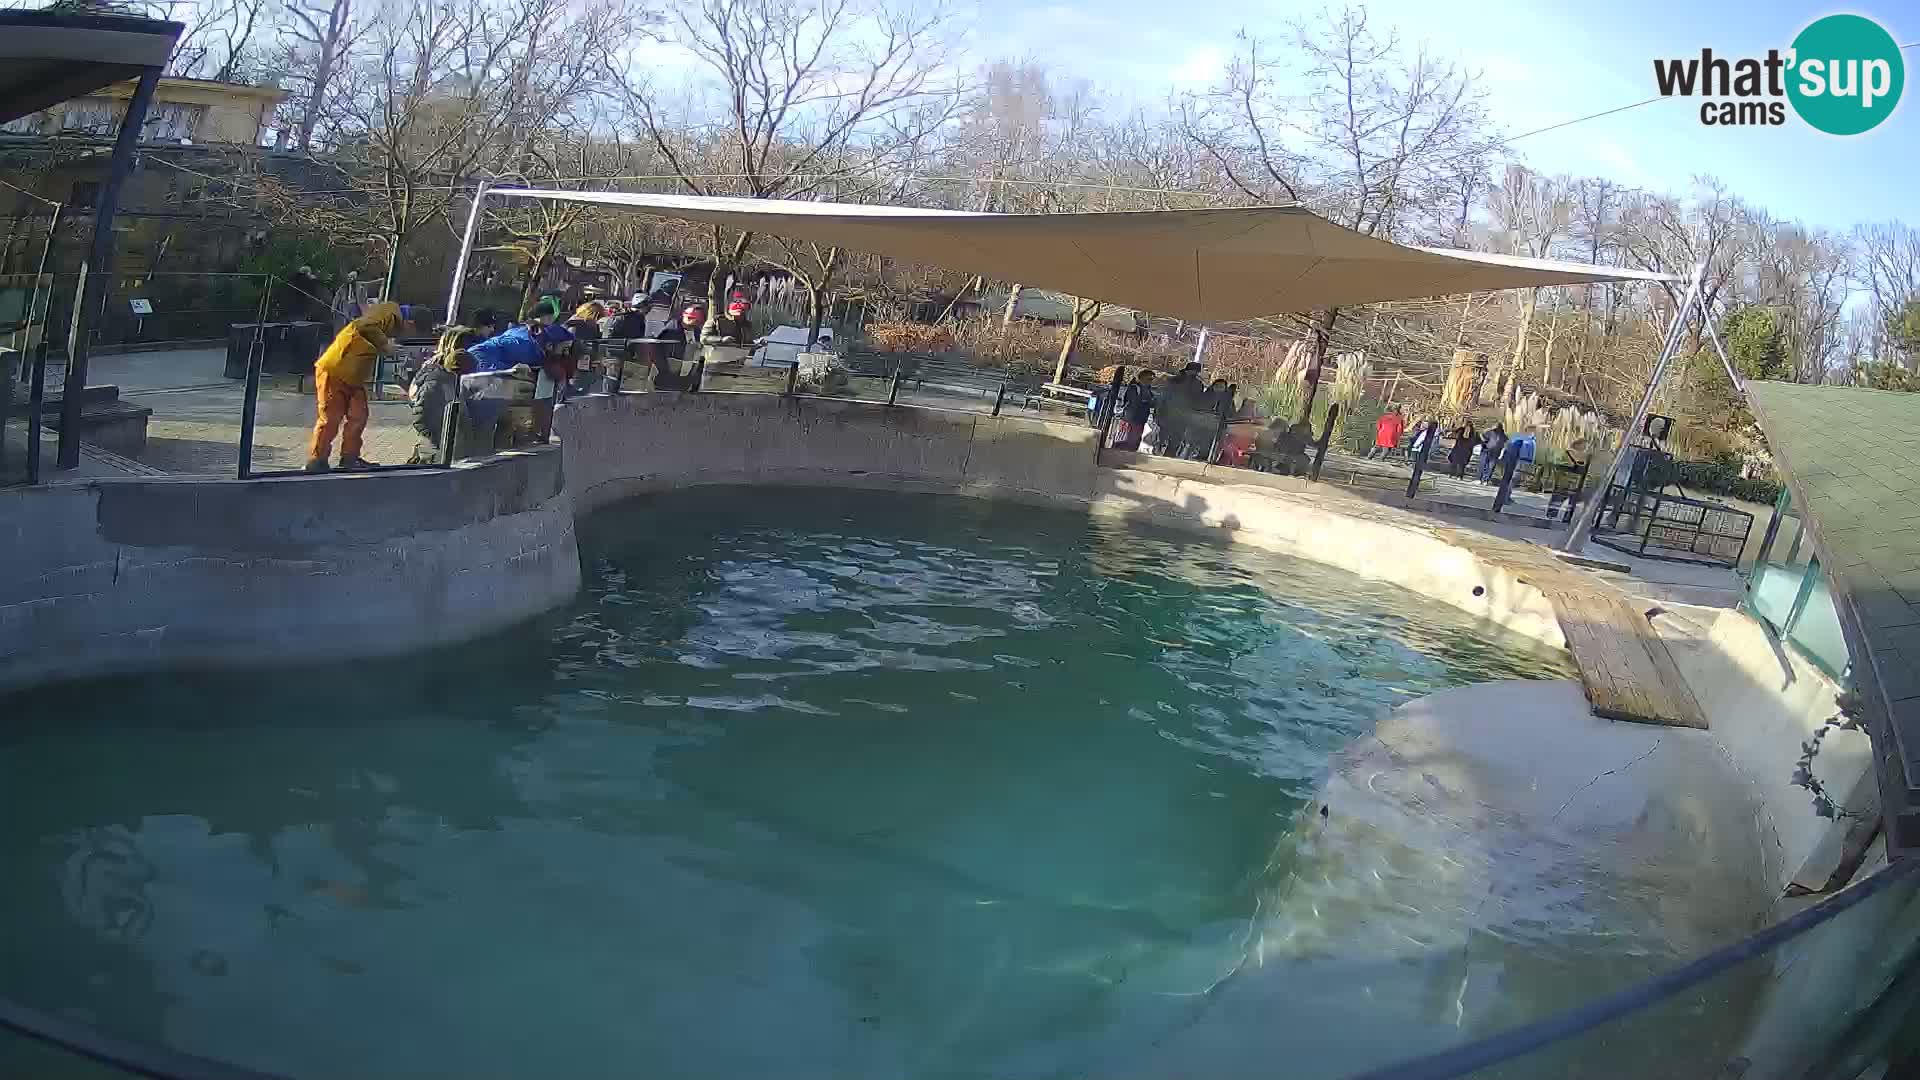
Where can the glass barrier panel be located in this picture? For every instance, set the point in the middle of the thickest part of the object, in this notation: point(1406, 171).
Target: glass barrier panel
point(1815, 627)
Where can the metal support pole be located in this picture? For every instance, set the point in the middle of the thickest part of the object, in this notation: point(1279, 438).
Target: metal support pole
point(1224, 410)
point(93, 273)
point(466, 251)
point(999, 397)
point(1733, 374)
point(1773, 528)
point(256, 358)
point(893, 385)
point(1200, 346)
point(1505, 492)
point(1579, 489)
point(1107, 410)
point(450, 431)
point(1589, 510)
point(37, 395)
point(1326, 436)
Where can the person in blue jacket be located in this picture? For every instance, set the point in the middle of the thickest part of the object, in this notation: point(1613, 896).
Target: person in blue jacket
point(528, 343)
point(1519, 452)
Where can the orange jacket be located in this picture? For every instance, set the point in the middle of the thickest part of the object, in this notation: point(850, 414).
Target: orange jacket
point(358, 345)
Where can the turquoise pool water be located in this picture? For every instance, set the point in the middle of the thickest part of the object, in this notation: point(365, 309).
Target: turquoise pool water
point(805, 784)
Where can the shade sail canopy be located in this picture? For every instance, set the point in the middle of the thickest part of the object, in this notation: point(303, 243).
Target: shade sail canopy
point(1206, 265)
point(47, 58)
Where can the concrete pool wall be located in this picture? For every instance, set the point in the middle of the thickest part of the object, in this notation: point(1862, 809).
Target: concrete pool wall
point(632, 444)
point(115, 576)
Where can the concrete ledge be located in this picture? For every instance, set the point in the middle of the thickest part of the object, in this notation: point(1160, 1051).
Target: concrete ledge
point(631, 444)
point(116, 576)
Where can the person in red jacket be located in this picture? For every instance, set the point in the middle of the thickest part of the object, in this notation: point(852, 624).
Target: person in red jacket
point(1386, 434)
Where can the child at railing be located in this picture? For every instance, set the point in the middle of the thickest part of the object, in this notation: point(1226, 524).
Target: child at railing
point(434, 387)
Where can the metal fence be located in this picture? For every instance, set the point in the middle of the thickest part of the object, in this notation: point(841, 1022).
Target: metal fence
point(1652, 523)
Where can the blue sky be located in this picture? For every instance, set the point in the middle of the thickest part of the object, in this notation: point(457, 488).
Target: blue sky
point(1542, 63)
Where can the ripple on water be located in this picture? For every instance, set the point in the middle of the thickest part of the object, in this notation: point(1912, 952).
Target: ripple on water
point(803, 784)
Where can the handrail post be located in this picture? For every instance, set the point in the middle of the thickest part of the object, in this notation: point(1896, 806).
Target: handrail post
point(1326, 436)
point(256, 359)
point(1107, 409)
point(1220, 424)
point(1505, 493)
point(450, 431)
point(1579, 489)
point(37, 392)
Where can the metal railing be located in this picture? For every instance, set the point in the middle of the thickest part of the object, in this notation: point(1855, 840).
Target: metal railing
point(1751, 1004)
point(1640, 522)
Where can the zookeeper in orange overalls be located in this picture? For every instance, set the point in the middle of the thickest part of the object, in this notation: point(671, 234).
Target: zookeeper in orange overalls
point(340, 383)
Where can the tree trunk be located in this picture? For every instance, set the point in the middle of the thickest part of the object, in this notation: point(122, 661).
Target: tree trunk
point(814, 315)
point(1320, 332)
point(1511, 376)
point(310, 109)
point(1553, 331)
point(530, 291)
point(396, 242)
point(973, 282)
point(1013, 302)
point(1084, 312)
point(816, 290)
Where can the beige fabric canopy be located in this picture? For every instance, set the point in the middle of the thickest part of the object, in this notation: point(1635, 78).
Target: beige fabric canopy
point(1203, 265)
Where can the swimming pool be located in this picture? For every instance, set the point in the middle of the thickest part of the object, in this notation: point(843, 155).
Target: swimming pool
point(805, 783)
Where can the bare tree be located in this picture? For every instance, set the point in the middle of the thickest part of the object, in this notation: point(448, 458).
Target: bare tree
point(452, 90)
point(1531, 213)
point(1888, 269)
point(1084, 312)
point(797, 99)
point(1356, 129)
point(218, 42)
point(320, 35)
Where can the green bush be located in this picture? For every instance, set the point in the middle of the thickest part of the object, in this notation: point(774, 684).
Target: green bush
point(1722, 477)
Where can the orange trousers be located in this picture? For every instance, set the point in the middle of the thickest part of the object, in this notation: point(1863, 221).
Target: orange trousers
point(341, 406)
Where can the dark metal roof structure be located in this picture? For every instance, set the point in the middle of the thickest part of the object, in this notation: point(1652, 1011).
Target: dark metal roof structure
point(49, 57)
point(1851, 458)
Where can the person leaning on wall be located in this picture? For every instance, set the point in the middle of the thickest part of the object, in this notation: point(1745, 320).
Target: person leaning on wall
point(340, 382)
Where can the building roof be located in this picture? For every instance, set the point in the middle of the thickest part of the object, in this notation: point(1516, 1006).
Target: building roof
point(1851, 458)
point(173, 88)
point(1224, 263)
point(48, 58)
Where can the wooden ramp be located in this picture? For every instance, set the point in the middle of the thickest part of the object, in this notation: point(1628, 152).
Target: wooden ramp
point(1625, 668)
